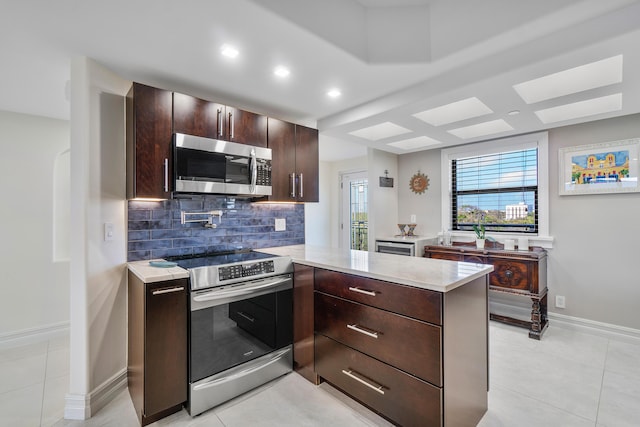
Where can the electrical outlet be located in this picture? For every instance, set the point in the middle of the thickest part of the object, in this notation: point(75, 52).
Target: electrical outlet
point(560, 303)
point(281, 224)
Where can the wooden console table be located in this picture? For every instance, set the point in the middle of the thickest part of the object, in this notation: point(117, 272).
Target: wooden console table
point(522, 273)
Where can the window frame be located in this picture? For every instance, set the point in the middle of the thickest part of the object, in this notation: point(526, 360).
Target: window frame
point(539, 140)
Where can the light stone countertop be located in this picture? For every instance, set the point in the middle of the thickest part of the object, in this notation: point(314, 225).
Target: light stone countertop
point(426, 273)
point(149, 274)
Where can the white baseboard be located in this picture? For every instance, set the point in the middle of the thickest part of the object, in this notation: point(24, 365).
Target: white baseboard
point(607, 330)
point(84, 406)
point(578, 324)
point(31, 335)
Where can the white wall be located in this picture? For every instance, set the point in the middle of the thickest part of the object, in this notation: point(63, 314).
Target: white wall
point(98, 268)
point(383, 201)
point(317, 216)
point(594, 262)
point(425, 206)
point(34, 289)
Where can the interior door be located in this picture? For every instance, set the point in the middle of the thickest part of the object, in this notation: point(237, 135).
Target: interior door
point(354, 224)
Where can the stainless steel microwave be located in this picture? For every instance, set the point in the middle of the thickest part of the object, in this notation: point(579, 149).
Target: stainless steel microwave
point(204, 165)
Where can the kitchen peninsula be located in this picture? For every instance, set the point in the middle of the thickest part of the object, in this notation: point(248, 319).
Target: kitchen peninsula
point(405, 336)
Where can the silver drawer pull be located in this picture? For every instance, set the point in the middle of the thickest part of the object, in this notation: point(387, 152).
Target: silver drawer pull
point(249, 318)
point(362, 291)
point(374, 386)
point(166, 291)
point(362, 331)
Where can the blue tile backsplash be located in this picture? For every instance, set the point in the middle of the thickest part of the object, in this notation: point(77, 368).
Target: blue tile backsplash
point(155, 230)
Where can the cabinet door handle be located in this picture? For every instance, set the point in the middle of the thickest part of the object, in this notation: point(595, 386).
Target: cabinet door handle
point(168, 291)
point(249, 318)
point(363, 291)
point(220, 130)
point(301, 186)
point(509, 274)
point(231, 126)
point(293, 185)
point(352, 374)
point(362, 331)
point(166, 175)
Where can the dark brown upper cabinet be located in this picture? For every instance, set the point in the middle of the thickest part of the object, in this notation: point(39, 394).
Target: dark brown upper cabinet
point(194, 116)
point(148, 142)
point(294, 162)
point(198, 117)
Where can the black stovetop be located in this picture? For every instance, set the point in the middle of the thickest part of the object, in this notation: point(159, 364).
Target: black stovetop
point(211, 259)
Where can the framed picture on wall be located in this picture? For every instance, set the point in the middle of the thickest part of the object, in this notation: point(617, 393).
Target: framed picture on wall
point(608, 167)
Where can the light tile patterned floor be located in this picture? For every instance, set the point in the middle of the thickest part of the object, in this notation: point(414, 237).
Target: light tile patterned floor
point(567, 379)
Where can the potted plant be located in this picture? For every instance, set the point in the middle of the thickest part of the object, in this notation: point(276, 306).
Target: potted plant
point(480, 233)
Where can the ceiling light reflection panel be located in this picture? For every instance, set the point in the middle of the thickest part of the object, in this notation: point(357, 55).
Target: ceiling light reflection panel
point(590, 107)
point(381, 131)
point(589, 76)
point(414, 143)
point(481, 129)
point(454, 112)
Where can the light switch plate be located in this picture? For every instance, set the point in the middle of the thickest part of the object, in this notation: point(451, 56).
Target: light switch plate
point(108, 231)
point(281, 224)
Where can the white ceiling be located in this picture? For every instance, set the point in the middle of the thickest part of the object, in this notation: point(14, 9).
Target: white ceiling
point(391, 59)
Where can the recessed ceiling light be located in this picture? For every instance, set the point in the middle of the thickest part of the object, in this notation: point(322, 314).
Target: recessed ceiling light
point(334, 93)
point(481, 129)
point(229, 51)
point(281, 71)
point(381, 131)
point(589, 76)
point(413, 143)
point(454, 112)
point(590, 107)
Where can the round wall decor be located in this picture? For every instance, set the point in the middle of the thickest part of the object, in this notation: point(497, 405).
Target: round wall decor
point(419, 183)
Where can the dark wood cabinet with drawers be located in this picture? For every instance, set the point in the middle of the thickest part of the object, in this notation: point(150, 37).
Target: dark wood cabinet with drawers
point(522, 273)
point(404, 351)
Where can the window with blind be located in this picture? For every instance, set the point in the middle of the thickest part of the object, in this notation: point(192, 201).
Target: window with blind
point(499, 189)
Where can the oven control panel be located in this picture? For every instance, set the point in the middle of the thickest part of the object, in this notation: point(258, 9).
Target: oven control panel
point(238, 271)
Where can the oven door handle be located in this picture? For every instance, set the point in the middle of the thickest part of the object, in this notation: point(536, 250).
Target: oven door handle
point(275, 358)
point(215, 295)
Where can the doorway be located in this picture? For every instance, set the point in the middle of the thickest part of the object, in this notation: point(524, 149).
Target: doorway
point(354, 221)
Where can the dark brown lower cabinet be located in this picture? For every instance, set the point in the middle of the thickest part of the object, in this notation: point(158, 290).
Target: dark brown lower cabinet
point(303, 322)
point(157, 347)
point(412, 371)
point(391, 392)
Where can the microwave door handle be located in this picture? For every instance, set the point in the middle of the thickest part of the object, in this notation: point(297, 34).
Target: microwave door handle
point(214, 295)
point(254, 171)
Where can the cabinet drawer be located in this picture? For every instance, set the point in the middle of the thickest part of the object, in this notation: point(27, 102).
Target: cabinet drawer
point(400, 397)
point(514, 275)
point(448, 256)
point(408, 344)
point(421, 304)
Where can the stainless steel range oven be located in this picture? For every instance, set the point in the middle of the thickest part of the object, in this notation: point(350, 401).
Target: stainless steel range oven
point(241, 325)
